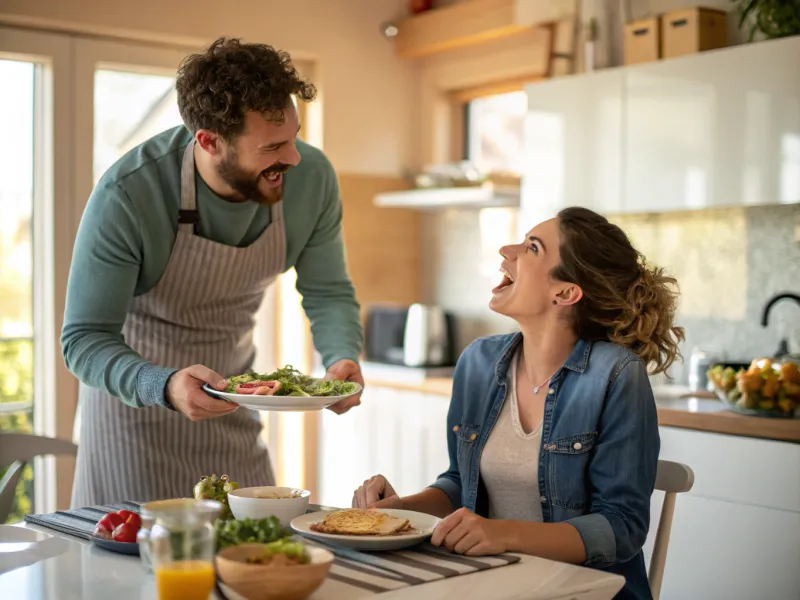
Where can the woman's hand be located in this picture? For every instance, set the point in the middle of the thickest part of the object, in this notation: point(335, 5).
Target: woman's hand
point(464, 532)
point(376, 492)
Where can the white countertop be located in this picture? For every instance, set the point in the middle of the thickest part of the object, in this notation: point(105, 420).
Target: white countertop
point(41, 564)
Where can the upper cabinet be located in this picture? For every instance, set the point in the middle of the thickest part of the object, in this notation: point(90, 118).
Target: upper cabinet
point(720, 128)
point(573, 143)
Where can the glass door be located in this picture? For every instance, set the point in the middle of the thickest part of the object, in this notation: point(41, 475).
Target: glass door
point(124, 94)
point(33, 198)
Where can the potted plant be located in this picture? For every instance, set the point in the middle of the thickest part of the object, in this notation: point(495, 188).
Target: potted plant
point(773, 18)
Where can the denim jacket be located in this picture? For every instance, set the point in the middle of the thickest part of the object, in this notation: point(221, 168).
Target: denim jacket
point(599, 449)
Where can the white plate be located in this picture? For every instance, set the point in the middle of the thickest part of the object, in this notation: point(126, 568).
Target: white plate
point(279, 403)
point(422, 524)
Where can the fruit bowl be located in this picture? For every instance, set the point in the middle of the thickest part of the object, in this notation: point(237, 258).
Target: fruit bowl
point(767, 388)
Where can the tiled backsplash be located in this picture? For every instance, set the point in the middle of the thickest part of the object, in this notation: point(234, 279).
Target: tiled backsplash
point(728, 263)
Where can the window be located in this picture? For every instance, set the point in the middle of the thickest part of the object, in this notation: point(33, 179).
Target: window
point(129, 108)
point(494, 127)
point(17, 166)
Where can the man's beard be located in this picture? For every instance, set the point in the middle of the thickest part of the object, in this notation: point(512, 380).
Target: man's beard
point(246, 184)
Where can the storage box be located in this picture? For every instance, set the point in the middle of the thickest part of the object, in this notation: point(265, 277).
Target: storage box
point(642, 41)
point(692, 30)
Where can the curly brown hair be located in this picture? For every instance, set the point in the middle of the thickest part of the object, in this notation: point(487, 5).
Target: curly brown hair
point(624, 301)
point(219, 86)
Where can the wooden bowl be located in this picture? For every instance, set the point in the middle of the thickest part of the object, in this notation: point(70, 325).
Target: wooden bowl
point(263, 582)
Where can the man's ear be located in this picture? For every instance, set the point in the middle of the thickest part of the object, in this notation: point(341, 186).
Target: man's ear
point(569, 295)
point(209, 141)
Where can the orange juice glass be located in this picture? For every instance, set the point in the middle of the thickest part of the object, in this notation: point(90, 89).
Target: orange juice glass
point(177, 542)
point(185, 580)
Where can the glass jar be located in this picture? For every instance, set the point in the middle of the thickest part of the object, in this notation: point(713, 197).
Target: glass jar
point(177, 542)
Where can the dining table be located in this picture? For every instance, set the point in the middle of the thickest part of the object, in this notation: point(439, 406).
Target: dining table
point(40, 563)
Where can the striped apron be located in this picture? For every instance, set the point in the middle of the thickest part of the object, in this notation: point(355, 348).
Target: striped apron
point(201, 311)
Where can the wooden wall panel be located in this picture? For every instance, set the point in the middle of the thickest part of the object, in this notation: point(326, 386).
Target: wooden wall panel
point(383, 244)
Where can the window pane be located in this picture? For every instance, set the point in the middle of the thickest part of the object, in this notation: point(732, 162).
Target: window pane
point(129, 108)
point(496, 141)
point(16, 262)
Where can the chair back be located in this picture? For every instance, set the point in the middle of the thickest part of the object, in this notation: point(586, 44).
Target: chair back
point(672, 478)
point(16, 451)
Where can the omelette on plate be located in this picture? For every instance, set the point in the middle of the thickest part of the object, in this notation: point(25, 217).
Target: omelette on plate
point(360, 521)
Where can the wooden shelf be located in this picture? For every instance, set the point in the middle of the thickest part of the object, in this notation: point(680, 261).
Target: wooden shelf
point(484, 196)
point(475, 22)
point(456, 26)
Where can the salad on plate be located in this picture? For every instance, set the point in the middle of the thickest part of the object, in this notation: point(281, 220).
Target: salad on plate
point(288, 381)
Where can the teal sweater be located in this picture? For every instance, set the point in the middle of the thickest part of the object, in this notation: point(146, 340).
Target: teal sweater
point(124, 243)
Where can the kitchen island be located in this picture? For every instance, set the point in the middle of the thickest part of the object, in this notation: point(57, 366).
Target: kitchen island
point(745, 501)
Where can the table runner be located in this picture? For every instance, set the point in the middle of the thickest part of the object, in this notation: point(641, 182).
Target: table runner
point(354, 574)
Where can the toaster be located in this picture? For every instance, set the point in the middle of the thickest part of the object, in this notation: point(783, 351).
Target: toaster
point(416, 336)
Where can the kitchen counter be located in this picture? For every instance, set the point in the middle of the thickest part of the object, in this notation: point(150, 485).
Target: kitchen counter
point(677, 407)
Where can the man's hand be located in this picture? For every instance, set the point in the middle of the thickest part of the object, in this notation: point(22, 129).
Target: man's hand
point(185, 393)
point(464, 532)
point(345, 370)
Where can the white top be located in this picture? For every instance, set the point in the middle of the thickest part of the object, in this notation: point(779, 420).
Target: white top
point(510, 461)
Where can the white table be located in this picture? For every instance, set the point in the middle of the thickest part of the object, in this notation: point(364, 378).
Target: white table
point(42, 564)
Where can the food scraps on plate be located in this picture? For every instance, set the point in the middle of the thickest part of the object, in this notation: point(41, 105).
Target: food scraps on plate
point(288, 381)
point(360, 521)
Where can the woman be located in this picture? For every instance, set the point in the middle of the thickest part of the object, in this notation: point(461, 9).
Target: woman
point(552, 432)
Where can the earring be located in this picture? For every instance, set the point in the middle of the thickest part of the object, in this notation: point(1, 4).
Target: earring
point(555, 302)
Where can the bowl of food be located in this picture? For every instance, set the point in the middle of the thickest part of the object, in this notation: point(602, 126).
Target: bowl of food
point(767, 388)
point(284, 569)
point(285, 503)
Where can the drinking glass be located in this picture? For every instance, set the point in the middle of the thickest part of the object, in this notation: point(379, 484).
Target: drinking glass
point(177, 543)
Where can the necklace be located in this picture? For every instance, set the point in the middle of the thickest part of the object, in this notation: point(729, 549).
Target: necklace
point(536, 388)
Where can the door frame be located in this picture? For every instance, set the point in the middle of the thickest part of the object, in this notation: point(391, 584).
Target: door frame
point(65, 151)
point(54, 387)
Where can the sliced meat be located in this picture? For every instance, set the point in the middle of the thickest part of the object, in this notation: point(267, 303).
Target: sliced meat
point(259, 387)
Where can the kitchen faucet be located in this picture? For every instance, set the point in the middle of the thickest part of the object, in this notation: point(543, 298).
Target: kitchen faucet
point(783, 347)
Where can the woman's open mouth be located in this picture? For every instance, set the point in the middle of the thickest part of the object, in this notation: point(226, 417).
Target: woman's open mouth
point(507, 281)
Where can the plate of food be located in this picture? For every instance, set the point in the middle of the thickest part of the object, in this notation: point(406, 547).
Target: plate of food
point(367, 529)
point(117, 532)
point(767, 388)
point(287, 389)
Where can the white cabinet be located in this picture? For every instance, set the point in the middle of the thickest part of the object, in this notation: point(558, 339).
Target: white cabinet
point(736, 534)
point(718, 128)
point(397, 433)
point(573, 135)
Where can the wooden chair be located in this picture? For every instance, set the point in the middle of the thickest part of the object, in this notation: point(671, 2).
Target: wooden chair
point(672, 478)
point(17, 450)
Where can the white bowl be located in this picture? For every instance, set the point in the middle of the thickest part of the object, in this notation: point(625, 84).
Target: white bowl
point(250, 503)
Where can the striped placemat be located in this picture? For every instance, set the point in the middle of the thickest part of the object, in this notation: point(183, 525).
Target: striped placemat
point(355, 574)
point(79, 522)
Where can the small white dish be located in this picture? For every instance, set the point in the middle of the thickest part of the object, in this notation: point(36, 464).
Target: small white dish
point(279, 403)
point(253, 503)
point(422, 528)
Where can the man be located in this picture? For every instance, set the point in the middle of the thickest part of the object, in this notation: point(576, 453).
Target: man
point(177, 245)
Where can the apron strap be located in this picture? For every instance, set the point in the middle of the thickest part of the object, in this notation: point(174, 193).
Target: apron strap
point(188, 215)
